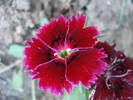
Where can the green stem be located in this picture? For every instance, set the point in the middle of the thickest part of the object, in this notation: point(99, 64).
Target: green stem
point(33, 90)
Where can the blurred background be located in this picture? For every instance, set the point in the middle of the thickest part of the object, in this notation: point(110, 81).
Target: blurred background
point(19, 20)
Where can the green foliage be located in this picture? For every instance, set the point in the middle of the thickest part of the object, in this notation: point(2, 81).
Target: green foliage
point(43, 21)
point(101, 36)
point(17, 80)
point(87, 19)
point(122, 10)
point(33, 90)
point(16, 50)
point(26, 98)
point(87, 93)
point(78, 93)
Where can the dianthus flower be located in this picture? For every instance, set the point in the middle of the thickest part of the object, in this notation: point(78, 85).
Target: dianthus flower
point(117, 82)
point(61, 55)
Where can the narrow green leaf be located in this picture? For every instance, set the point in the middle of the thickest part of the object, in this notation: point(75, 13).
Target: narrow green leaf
point(87, 93)
point(122, 10)
point(16, 50)
point(78, 93)
point(17, 80)
point(43, 21)
point(87, 19)
point(101, 36)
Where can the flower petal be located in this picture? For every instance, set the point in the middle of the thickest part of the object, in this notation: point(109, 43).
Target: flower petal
point(52, 76)
point(110, 51)
point(83, 66)
point(35, 54)
point(54, 31)
point(102, 92)
point(118, 77)
point(80, 36)
point(86, 37)
point(123, 90)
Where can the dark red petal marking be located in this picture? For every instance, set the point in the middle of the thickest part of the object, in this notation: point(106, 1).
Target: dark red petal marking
point(52, 76)
point(80, 36)
point(83, 66)
point(86, 37)
point(54, 31)
point(36, 53)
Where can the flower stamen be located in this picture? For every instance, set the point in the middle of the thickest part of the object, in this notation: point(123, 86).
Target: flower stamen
point(63, 53)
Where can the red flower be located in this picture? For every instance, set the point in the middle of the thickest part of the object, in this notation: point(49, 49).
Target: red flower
point(62, 55)
point(117, 82)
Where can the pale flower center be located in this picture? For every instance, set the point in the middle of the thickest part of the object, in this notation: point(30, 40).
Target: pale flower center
point(63, 53)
